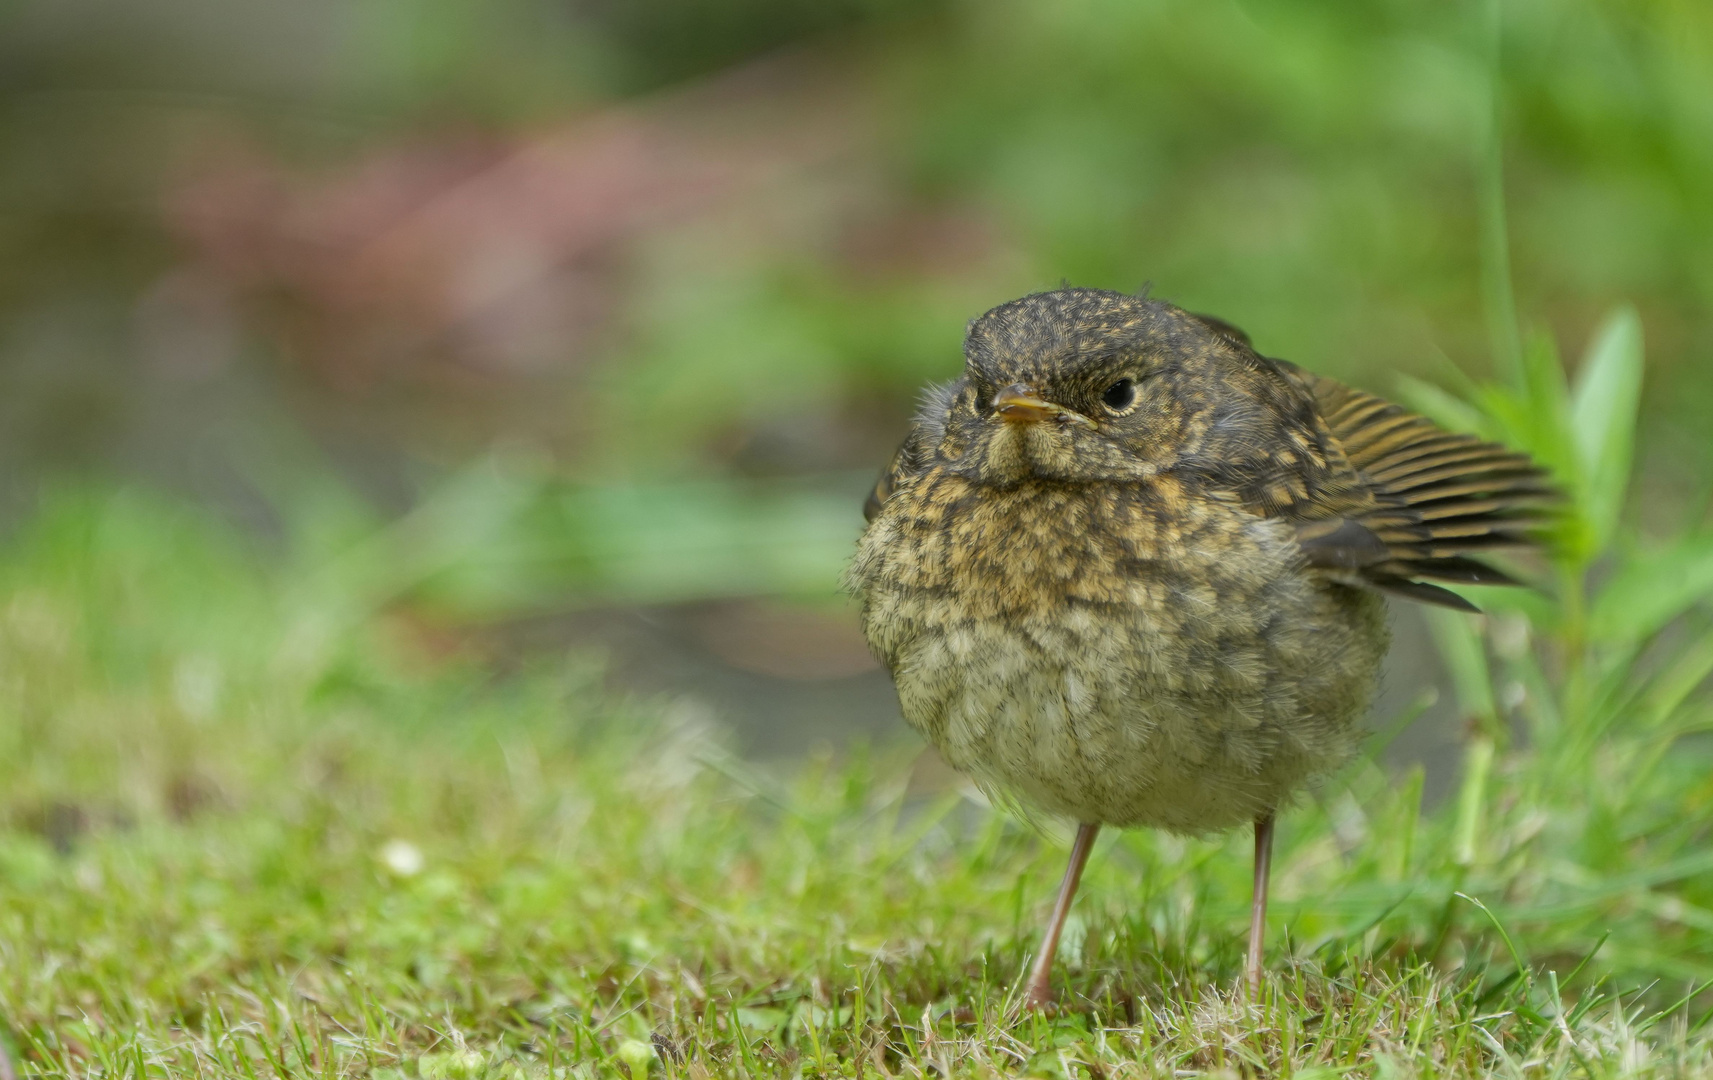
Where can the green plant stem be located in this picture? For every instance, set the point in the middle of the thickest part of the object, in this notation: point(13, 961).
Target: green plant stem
point(1477, 768)
point(1498, 295)
point(1573, 639)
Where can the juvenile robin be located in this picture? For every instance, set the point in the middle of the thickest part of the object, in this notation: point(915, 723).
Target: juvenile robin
point(1128, 571)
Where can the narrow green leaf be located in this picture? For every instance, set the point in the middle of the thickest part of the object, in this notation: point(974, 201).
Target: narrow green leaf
point(1443, 408)
point(1650, 589)
point(1603, 414)
point(1546, 391)
point(1534, 424)
point(1504, 934)
point(1545, 424)
point(1460, 646)
point(1471, 797)
point(1673, 686)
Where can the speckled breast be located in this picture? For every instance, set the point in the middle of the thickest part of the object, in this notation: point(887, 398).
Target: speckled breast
point(1115, 653)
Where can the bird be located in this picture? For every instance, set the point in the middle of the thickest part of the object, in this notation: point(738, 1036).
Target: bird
point(1127, 571)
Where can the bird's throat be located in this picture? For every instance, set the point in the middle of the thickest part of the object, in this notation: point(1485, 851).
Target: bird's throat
point(1018, 452)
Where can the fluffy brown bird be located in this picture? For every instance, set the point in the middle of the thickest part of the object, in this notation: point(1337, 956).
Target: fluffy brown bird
point(1128, 571)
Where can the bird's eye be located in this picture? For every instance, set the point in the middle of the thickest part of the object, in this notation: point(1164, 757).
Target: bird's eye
point(1119, 396)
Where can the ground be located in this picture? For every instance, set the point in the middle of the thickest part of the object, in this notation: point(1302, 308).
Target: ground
point(239, 841)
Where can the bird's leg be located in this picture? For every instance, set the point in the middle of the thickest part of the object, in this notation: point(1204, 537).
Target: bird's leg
point(1258, 907)
point(1040, 992)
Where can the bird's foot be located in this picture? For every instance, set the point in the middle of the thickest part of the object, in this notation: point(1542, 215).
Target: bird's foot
point(1038, 997)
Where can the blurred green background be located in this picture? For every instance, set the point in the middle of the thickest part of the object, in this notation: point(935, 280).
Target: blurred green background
point(548, 324)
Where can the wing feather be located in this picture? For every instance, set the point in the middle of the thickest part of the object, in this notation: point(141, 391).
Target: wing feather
point(1423, 499)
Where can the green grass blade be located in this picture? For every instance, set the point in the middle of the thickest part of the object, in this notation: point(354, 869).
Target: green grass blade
point(1603, 418)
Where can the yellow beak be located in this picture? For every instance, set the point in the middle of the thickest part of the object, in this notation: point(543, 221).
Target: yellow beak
point(1019, 403)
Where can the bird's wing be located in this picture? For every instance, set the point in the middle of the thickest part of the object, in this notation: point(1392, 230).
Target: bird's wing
point(1414, 500)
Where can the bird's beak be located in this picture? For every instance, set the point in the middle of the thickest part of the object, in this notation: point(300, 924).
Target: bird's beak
point(1020, 404)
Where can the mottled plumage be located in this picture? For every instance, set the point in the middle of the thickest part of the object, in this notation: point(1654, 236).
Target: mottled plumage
point(1127, 570)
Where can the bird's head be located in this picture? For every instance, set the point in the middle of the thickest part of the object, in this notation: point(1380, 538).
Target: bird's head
point(1086, 385)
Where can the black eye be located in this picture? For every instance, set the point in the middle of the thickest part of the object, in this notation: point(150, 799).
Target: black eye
point(1120, 395)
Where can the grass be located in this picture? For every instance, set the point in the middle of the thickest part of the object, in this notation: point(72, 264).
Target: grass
point(261, 815)
point(387, 869)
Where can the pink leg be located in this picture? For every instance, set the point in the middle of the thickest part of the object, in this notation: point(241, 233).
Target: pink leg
point(1040, 987)
point(1258, 908)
